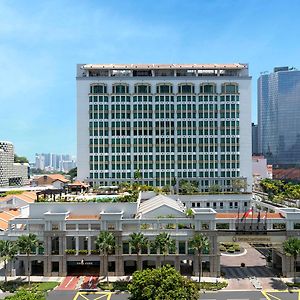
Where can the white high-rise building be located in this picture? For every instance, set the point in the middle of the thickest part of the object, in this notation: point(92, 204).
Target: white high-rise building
point(11, 173)
point(164, 123)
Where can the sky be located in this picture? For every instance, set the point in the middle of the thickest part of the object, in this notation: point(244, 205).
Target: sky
point(42, 41)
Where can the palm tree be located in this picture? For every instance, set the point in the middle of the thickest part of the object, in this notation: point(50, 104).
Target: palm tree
point(291, 247)
point(106, 243)
point(137, 242)
point(165, 243)
point(27, 244)
point(8, 251)
point(200, 243)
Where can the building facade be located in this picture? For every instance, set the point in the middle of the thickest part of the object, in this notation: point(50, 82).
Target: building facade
point(67, 234)
point(165, 123)
point(278, 116)
point(11, 173)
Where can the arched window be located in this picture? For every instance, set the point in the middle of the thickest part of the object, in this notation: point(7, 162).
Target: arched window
point(186, 88)
point(141, 88)
point(98, 88)
point(164, 88)
point(120, 89)
point(230, 88)
point(208, 88)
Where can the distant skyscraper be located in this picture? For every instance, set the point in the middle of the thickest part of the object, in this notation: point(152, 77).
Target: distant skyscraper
point(279, 116)
point(254, 139)
point(55, 162)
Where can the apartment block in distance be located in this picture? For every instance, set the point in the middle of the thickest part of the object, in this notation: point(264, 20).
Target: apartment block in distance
point(11, 173)
point(168, 122)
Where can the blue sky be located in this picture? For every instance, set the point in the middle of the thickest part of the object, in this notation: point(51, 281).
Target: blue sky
point(42, 41)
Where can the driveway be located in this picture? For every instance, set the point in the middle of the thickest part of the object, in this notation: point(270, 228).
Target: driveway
point(255, 266)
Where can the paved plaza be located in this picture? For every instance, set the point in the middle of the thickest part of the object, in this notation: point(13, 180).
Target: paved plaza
point(255, 266)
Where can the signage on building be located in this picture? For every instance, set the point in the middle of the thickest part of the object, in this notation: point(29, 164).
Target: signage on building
point(250, 239)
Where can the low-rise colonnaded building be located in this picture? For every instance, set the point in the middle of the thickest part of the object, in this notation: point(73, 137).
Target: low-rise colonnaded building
point(67, 234)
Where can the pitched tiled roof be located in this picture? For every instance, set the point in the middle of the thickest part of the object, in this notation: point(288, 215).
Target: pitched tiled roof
point(78, 183)
point(7, 215)
point(159, 201)
point(28, 197)
point(58, 177)
point(83, 217)
point(255, 215)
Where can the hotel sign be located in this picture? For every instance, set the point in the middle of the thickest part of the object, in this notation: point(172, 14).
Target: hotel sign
point(252, 239)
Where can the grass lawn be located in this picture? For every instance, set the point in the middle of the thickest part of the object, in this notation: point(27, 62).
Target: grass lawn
point(12, 286)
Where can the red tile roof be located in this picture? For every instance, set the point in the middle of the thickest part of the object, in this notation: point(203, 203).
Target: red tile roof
point(255, 215)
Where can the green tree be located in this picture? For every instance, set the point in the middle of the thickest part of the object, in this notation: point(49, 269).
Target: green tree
point(20, 159)
point(164, 243)
point(73, 173)
point(138, 175)
point(106, 243)
point(239, 184)
point(215, 188)
point(200, 243)
point(189, 212)
point(162, 284)
point(138, 241)
point(187, 187)
point(8, 251)
point(27, 244)
point(291, 247)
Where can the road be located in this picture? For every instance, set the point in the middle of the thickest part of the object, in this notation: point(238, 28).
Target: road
point(221, 295)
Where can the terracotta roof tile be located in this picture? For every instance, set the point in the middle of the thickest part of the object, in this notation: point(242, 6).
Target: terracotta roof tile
point(83, 217)
point(255, 215)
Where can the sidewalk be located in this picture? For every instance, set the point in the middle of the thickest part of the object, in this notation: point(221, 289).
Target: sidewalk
point(33, 278)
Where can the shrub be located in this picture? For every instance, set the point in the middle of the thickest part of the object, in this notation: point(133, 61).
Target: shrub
point(82, 252)
point(236, 247)
point(222, 248)
point(121, 285)
point(231, 250)
point(95, 252)
point(211, 286)
point(70, 251)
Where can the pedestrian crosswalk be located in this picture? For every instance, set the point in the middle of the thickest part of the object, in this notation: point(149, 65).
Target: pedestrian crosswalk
point(239, 272)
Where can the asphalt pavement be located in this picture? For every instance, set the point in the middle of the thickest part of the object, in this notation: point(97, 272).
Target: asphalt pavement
point(220, 295)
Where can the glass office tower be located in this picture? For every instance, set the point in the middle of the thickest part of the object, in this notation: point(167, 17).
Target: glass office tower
point(279, 116)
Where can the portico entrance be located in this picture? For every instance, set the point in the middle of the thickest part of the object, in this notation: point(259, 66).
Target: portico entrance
point(81, 268)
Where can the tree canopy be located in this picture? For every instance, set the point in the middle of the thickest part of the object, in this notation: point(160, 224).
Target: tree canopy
point(162, 284)
point(278, 189)
point(20, 159)
point(73, 173)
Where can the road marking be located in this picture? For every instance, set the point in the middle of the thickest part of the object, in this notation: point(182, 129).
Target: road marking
point(81, 295)
point(69, 282)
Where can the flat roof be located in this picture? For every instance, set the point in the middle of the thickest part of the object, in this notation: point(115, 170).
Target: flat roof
point(237, 66)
